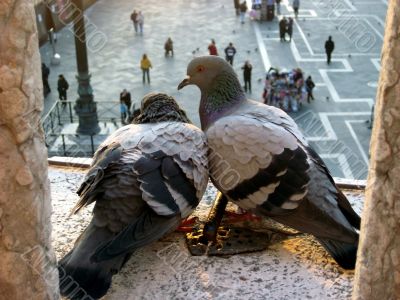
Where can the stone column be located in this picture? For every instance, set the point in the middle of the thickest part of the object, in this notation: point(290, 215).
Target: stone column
point(378, 267)
point(27, 261)
point(85, 107)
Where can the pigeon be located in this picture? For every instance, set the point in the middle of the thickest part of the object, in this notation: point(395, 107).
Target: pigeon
point(145, 179)
point(259, 159)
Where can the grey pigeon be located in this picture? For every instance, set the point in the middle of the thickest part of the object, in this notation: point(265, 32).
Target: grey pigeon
point(145, 179)
point(259, 159)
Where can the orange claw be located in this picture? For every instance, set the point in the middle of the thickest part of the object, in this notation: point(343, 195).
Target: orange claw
point(187, 224)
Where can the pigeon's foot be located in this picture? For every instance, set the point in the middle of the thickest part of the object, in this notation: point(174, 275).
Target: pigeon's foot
point(214, 218)
point(214, 239)
point(232, 241)
point(187, 224)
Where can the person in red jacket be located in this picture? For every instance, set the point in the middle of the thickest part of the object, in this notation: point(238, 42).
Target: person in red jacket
point(212, 49)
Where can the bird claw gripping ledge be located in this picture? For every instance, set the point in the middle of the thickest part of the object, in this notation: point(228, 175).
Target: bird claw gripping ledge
point(216, 240)
point(228, 241)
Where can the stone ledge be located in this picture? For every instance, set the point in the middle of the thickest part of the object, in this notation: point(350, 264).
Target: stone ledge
point(85, 162)
point(297, 268)
point(76, 162)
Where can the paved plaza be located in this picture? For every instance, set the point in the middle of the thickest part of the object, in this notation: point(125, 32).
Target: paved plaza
point(335, 123)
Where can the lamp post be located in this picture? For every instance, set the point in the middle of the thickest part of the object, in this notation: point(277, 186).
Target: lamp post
point(85, 107)
point(55, 59)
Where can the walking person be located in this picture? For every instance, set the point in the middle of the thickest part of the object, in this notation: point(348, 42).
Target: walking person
point(289, 28)
point(140, 21)
point(270, 12)
point(212, 48)
point(247, 75)
point(145, 65)
point(236, 4)
point(134, 16)
point(282, 29)
point(329, 47)
point(62, 87)
point(169, 47)
point(309, 88)
point(230, 52)
point(278, 7)
point(125, 97)
point(296, 7)
point(243, 10)
point(45, 79)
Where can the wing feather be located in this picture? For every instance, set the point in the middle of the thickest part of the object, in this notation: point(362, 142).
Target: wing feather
point(129, 163)
point(297, 187)
point(271, 163)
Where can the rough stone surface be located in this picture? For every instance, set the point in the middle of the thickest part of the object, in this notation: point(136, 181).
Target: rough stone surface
point(27, 261)
point(296, 269)
point(377, 271)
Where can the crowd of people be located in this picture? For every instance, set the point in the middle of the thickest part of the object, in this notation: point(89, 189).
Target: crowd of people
point(287, 89)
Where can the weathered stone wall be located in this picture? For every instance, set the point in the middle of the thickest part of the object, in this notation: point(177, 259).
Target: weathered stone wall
point(27, 262)
point(378, 267)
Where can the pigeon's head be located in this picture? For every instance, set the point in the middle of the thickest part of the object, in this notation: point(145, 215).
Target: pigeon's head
point(203, 70)
point(159, 107)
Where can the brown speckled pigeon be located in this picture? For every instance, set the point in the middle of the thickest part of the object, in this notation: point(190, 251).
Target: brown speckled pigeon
point(145, 179)
point(259, 159)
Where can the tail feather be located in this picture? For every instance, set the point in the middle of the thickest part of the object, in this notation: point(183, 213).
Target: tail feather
point(345, 254)
point(79, 276)
point(348, 211)
point(82, 282)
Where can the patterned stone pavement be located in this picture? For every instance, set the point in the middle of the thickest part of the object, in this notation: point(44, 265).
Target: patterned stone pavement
point(334, 123)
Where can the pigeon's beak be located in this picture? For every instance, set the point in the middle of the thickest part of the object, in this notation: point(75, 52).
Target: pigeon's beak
point(184, 83)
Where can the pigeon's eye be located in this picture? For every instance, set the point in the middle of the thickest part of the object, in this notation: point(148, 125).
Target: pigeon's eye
point(200, 69)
